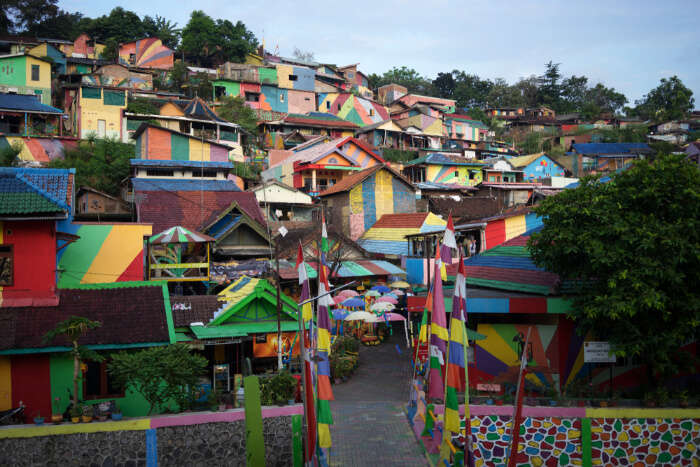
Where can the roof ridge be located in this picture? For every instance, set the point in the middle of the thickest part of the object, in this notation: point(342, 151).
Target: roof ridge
point(40, 191)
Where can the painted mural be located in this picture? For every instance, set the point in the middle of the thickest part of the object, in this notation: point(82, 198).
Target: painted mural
point(146, 53)
point(537, 166)
point(501, 230)
point(42, 150)
point(352, 108)
point(380, 193)
point(270, 97)
point(104, 253)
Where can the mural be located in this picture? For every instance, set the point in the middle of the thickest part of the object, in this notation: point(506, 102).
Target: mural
point(104, 253)
point(42, 150)
point(463, 174)
point(352, 108)
point(146, 53)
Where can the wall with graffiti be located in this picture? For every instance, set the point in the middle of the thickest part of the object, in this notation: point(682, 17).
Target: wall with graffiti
point(464, 175)
point(103, 253)
point(542, 167)
point(352, 108)
point(41, 150)
point(146, 53)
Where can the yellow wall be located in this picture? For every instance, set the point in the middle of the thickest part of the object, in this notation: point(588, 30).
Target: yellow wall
point(39, 50)
point(199, 151)
point(5, 383)
point(384, 193)
point(171, 110)
point(283, 72)
point(92, 110)
point(341, 160)
point(44, 73)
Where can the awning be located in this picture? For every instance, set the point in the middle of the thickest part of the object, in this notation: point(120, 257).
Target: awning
point(241, 329)
point(347, 269)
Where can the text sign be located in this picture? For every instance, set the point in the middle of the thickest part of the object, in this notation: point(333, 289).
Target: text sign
point(597, 352)
point(179, 265)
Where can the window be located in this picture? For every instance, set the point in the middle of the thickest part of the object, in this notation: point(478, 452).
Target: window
point(252, 97)
point(293, 77)
point(7, 265)
point(132, 58)
point(114, 97)
point(472, 174)
point(160, 172)
point(219, 91)
point(98, 383)
point(328, 105)
point(371, 112)
point(91, 93)
point(492, 178)
point(281, 97)
point(204, 173)
point(35, 72)
point(456, 173)
point(339, 107)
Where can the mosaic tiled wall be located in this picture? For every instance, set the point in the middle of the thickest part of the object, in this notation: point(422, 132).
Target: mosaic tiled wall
point(645, 441)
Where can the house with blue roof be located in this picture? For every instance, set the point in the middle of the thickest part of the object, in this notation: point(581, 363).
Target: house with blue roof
point(25, 115)
point(537, 166)
point(594, 158)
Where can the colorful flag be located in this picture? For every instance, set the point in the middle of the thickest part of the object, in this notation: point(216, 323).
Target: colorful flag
point(438, 338)
point(324, 239)
point(323, 371)
point(306, 309)
point(455, 356)
point(309, 406)
point(449, 242)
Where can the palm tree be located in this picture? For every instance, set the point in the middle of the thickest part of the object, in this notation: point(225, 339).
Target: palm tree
point(73, 329)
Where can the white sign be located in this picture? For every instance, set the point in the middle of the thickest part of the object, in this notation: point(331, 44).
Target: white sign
point(597, 352)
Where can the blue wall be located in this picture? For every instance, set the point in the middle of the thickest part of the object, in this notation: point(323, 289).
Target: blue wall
point(542, 167)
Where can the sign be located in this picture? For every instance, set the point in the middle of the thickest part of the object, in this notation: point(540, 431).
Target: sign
point(179, 265)
point(598, 352)
point(265, 345)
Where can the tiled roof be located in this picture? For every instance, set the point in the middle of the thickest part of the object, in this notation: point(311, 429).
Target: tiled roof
point(192, 209)
point(25, 103)
point(27, 191)
point(610, 148)
point(445, 159)
point(178, 184)
point(193, 308)
point(130, 313)
point(319, 119)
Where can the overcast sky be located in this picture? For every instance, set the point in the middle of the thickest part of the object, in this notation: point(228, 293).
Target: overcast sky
point(625, 44)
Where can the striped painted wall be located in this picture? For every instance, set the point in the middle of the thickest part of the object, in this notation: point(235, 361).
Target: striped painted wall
point(160, 144)
point(104, 253)
point(352, 108)
point(147, 53)
point(42, 150)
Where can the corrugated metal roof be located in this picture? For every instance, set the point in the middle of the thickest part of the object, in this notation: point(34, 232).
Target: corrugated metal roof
point(385, 246)
point(25, 103)
point(175, 163)
point(167, 184)
point(610, 148)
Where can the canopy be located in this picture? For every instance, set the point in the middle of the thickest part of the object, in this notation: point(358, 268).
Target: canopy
point(347, 293)
point(372, 293)
point(339, 313)
point(387, 299)
point(361, 316)
point(400, 285)
point(179, 234)
point(353, 303)
point(394, 317)
point(398, 292)
point(381, 288)
point(338, 299)
point(381, 306)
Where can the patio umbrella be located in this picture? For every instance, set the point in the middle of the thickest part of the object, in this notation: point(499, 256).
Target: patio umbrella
point(353, 303)
point(361, 316)
point(339, 313)
point(398, 317)
point(392, 295)
point(382, 307)
point(381, 288)
point(372, 293)
point(398, 292)
point(400, 285)
point(338, 299)
point(387, 299)
point(347, 293)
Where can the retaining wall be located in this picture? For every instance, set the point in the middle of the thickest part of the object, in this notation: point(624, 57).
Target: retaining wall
point(205, 438)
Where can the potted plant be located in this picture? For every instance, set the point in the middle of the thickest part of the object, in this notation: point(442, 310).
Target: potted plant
point(56, 416)
point(508, 398)
point(38, 420)
point(75, 412)
point(116, 413)
point(283, 386)
point(683, 399)
point(214, 400)
point(87, 413)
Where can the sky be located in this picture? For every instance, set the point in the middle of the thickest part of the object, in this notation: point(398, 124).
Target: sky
point(627, 45)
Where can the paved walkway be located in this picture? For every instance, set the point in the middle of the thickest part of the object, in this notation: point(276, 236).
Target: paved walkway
point(370, 426)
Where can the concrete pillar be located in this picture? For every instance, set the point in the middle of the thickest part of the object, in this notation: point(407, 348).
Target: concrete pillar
point(313, 180)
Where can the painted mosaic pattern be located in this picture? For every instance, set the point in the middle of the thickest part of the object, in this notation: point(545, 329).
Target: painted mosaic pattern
point(645, 441)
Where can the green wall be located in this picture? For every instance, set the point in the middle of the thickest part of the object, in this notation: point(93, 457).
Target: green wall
point(232, 88)
point(267, 75)
point(13, 71)
point(179, 147)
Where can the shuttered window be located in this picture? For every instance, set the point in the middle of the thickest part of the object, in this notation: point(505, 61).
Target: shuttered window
point(114, 97)
point(91, 93)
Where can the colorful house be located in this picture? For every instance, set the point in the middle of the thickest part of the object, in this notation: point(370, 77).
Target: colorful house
point(358, 200)
point(384, 134)
point(443, 168)
point(146, 53)
point(25, 115)
point(308, 125)
point(422, 125)
point(356, 80)
point(460, 128)
point(388, 235)
point(24, 73)
point(133, 315)
point(32, 202)
point(409, 100)
point(161, 143)
point(47, 50)
point(607, 157)
point(283, 204)
point(316, 165)
point(238, 234)
point(83, 47)
point(537, 166)
point(95, 111)
point(356, 109)
point(118, 76)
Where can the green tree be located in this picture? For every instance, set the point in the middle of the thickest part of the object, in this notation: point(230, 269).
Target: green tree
point(62, 25)
point(159, 374)
point(550, 86)
point(404, 76)
point(163, 29)
point(630, 249)
point(606, 99)
point(9, 155)
point(470, 90)
point(72, 329)
point(670, 100)
point(19, 15)
point(233, 109)
point(444, 84)
point(208, 42)
point(111, 50)
point(99, 163)
point(502, 94)
point(235, 41)
point(121, 25)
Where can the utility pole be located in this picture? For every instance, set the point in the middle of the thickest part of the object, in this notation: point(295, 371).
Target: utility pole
point(279, 306)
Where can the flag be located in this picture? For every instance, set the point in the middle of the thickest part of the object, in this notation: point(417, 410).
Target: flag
point(438, 338)
point(449, 242)
point(323, 371)
point(309, 406)
point(455, 356)
point(324, 239)
point(306, 309)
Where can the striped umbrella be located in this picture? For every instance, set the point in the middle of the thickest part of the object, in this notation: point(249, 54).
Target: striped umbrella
point(179, 234)
point(347, 293)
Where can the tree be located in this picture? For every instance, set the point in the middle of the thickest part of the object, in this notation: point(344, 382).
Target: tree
point(304, 56)
point(111, 50)
point(470, 90)
point(163, 29)
point(233, 109)
point(121, 25)
point(208, 42)
point(407, 77)
point(528, 89)
point(444, 84)
point(159, 374)
point(670, 100)
point(63, 25)
point(503, 95)
point(19, 15)
point(73, 329)
point(9, 155)
point(550, 87)
point(235, 41)
point(630, 248)
point(478, 114)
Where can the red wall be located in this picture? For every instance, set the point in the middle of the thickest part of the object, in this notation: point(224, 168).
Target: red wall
point(31, 384)
point(35, 263)
point(495, 233)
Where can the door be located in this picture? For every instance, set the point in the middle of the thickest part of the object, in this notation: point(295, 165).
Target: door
point(101, 128)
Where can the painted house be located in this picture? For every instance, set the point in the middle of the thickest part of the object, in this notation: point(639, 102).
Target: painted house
point(356, 80)
point(32, 202)
point(500, 170)
point(536, 167)
point(24, 73)
point(505, 113)
point(39, 150)
point(134, 315)
point(384, 134)
point(388, 234)
point(95, 111)
point(409, 100)
point(119, 76)
point(147, 53)
point(25, 115)
point(47, 50)
point(356, 109)
point(390, 93)
point(419, 122)
point(461, 129)
point(83, 47)
point(283, 204)
point(310, 124)
point(92, 203)
point(315, 166)
point(162, 143)
point(606, 157)
point(238, 234)
point(446, 169)
point(358, 200)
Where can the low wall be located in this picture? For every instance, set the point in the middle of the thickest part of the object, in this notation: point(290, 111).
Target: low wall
point(204, 438)
point(584, 436)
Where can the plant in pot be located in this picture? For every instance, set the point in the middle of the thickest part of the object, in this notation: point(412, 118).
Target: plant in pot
point(283, 386)
point(508, 398)
point(87, 413)
point(38, 419)
point(661, 396)
point(75, 412)
point(116, 413)
point(56, 416)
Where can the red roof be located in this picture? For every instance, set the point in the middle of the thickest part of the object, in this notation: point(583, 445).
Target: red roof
point(193, 209)
point(324, 123)
point(401, 221)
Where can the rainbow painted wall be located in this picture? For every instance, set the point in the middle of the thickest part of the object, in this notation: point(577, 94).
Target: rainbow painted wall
point(274, 98)
point(352, 108)
point(463, 175)
point(146, 53)
point(156, 143)
point(41, 150)
point(104, 253)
